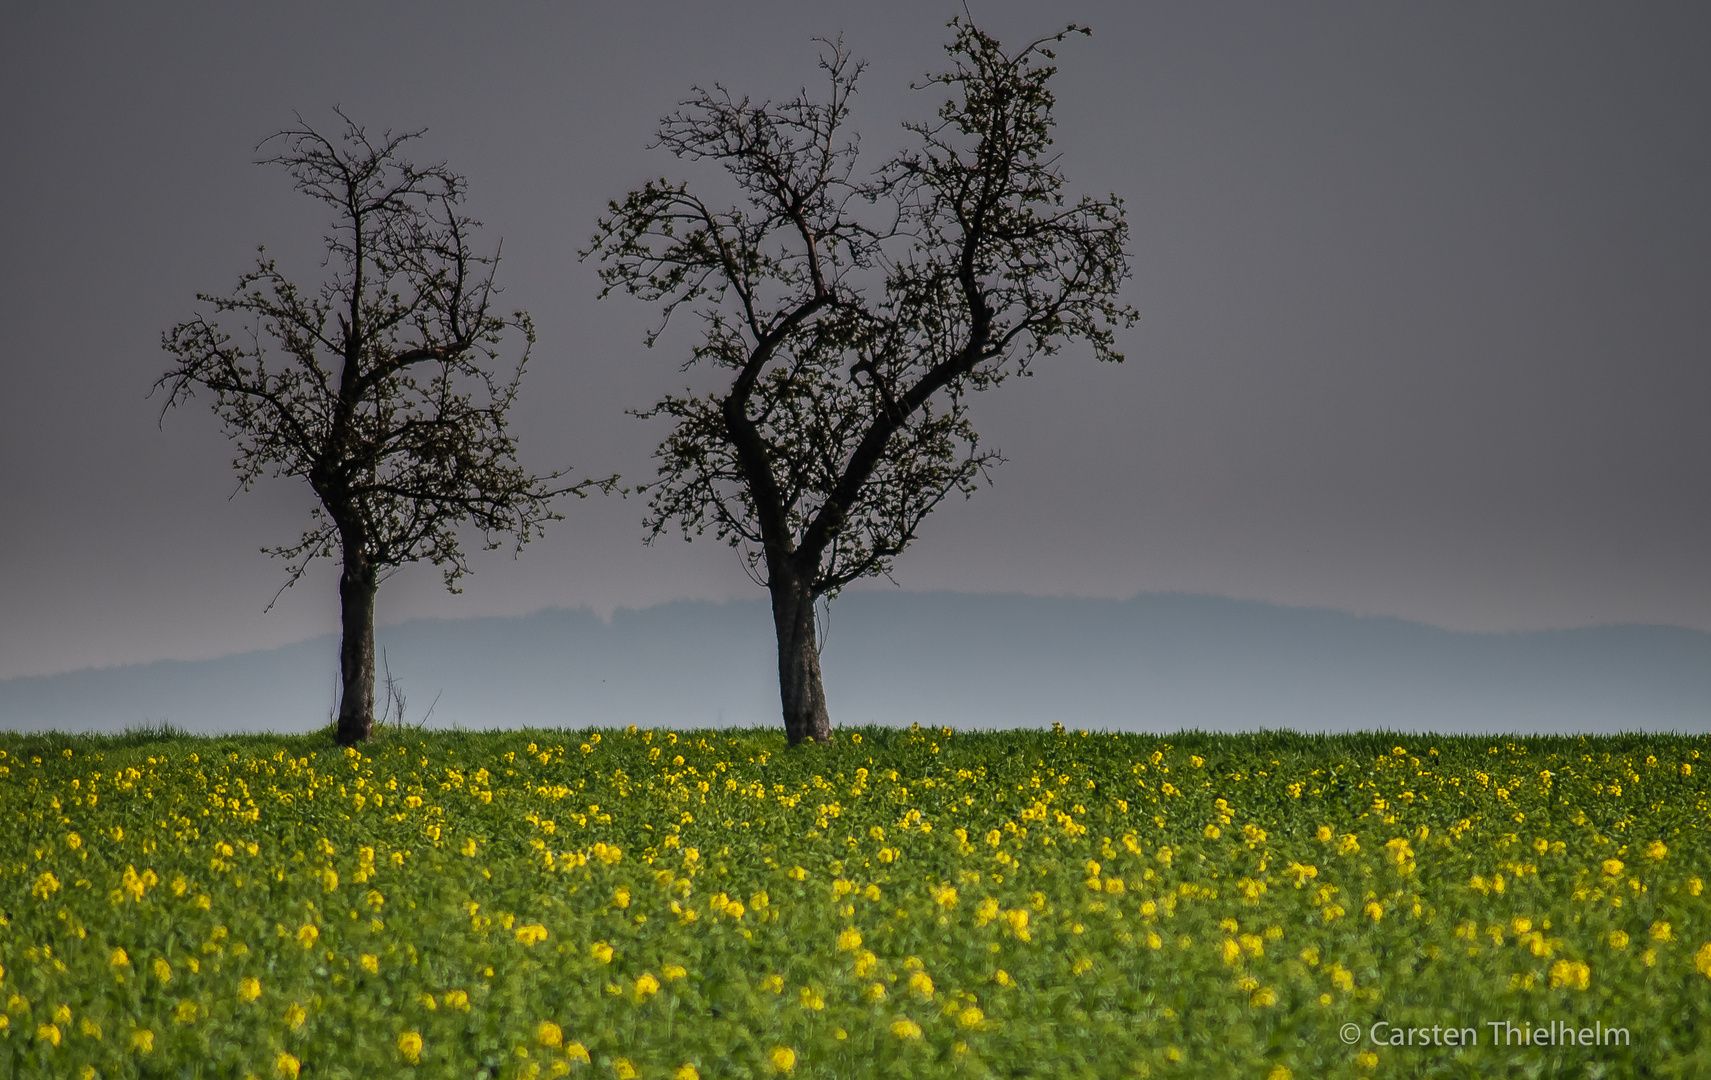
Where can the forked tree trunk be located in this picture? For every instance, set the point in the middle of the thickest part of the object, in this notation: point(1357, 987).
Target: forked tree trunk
point(356, 650)
point(799, 686)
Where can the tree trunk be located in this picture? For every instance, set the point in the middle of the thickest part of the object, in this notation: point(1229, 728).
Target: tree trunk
point(356, 650)
point(799, 687)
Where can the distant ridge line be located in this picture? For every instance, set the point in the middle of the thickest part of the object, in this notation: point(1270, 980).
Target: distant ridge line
point(1157, 661)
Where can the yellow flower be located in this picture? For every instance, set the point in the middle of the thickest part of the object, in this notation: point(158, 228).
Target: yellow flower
point(970, 1017)
point(686, 1071)
point(576, 1052)
point(646, 984)
point(850, 939)
point(296, 1016)
point(1661, 931)
point(1613, 867)
point(119, 959)
point(1702, 960)
point(457, 999)
point(142, 1040)
point(921, 983)
point(48, 1033)
point(1017, 918)
point(1263, 998)
point(90, 1028)
point(1570, 974)
point(623, 1070)
point(783, 1059)
point(287, 1066)
point(906, 1029)
point(370, 963)
point(1657, 850)
point(673, 971)
point(1366, 1059)
point(601, 952)
point(1618, 939)
point(1212, 832)
point(185, 1013)
point(772, 984)
point(531, 934)
point(621, 898)
point(410, 1045)
point(549, 1033)
point(307, 934)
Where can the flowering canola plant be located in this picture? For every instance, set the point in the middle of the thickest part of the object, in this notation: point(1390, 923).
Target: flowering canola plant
point(920, 902)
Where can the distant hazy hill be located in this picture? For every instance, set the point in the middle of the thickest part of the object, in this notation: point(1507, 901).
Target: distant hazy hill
point(1156, 662)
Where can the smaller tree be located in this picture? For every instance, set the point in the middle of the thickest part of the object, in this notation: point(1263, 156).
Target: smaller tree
point(376, 386)
point(853, 317)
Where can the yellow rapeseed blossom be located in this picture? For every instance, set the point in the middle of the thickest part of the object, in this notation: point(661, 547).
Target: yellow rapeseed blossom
point(162, 970)
point(549, 1033)
point(119, 958)
point(622, 1069)
point(601, 952)
point(686, 1071)
point(1656, 850)
point(783, 1059)
point(531, 934)
point(1702, 960)
point(576, 1052)
point(646, 984)
point(371, 963)
point(1618, 939)
point(850, 939)
point(48, 1033)
point(906, 1029)
point(1661, 931)
point(287, 1066)
point(142, 1040)
point(296, 1016)
point(307, 934)
point(410, 1045)
point(249, 989)
point(1613, 867)
point(1571, 974)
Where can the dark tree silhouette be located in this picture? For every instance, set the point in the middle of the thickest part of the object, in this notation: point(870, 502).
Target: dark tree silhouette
point(376, 386)
point(853, 317)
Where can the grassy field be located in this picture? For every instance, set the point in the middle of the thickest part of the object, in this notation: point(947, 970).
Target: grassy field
point(623, 904)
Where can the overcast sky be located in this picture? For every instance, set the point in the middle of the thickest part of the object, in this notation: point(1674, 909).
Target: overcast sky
point(1425, 297)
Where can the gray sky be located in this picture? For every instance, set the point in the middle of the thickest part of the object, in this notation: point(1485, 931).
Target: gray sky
point(1425, 296)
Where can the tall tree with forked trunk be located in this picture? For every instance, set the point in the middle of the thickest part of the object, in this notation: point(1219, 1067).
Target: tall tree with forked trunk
point(853, 316)
point(376, 386)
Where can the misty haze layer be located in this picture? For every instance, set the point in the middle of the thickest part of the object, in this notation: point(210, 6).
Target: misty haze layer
point(1157, 662)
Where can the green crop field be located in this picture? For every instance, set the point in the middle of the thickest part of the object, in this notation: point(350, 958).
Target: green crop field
point(623, 904)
